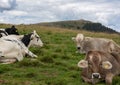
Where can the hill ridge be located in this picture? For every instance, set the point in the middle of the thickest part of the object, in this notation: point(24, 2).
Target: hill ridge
point(80, 25)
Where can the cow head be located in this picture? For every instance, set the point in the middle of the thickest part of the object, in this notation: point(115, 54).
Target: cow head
point(32, 39)
point(95, 63)
point(35, 39)
point(78, 39)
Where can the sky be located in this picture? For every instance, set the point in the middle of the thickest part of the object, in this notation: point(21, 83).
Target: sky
point(106, 12)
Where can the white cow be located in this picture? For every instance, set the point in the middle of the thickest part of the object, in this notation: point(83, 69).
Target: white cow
point(85, 44)
point(12, 49)
point(19, 37)
point(31, 39)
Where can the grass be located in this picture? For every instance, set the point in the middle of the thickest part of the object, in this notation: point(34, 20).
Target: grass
point(56, 63)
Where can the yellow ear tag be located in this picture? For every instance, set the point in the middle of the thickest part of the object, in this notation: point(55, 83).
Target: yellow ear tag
point(106, 66)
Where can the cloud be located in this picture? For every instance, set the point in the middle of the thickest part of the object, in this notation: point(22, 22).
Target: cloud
point(15, 13)
point(7, 5)
point(35, 11)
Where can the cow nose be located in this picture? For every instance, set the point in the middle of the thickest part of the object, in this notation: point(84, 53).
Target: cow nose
point(78, 48)
point(96, 75)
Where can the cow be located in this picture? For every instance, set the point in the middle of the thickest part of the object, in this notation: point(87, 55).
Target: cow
point(9, 31)
point(85, 44)
point(27, 39)
point(98, 66)
point(19, 37)
point(12, 49)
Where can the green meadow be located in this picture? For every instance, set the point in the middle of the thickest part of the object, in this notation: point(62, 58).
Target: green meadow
point(57, 59)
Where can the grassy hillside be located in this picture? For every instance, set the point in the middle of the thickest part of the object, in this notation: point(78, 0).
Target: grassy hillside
point(80, 25)
point(56, 63)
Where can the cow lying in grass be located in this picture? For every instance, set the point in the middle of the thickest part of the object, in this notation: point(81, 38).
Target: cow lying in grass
point(8, 31)
point(12, 49)
point(28, 39)
point(98, 66)
point(85, 44)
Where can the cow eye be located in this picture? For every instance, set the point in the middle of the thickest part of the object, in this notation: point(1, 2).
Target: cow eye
point(101, 65)
point(31, 38)
point(37, 38)
point(89, 64)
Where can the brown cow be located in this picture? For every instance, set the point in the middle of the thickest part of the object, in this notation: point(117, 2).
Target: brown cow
point(85, 44)
point(99, 66)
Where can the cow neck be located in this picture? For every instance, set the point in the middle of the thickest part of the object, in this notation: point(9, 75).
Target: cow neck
point(26, 39)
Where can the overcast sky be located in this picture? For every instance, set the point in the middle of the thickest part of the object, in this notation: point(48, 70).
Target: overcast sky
point(106, 12)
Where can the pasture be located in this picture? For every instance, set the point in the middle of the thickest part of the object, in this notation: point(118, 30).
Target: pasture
point(57, 59)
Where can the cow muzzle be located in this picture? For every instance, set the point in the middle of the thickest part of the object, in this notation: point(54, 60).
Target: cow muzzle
point(78, 48)
point(96, 75)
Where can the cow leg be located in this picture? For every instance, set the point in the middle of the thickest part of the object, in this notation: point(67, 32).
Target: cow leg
point(19, 56)
point(31, 54)
point(28, 52)
point(7, 60)
point(109, 78)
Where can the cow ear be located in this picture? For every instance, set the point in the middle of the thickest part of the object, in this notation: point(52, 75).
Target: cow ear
point(32, 36)
point(73, 38)
point(83, 64)
point(106, 65)
point(111, 45)
point(34, 31)
point(81, 37)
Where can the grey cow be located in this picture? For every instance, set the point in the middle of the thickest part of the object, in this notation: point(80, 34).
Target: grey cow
point(85, 44)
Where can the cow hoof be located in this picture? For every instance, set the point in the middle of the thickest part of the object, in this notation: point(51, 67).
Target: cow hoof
point(35, 56)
